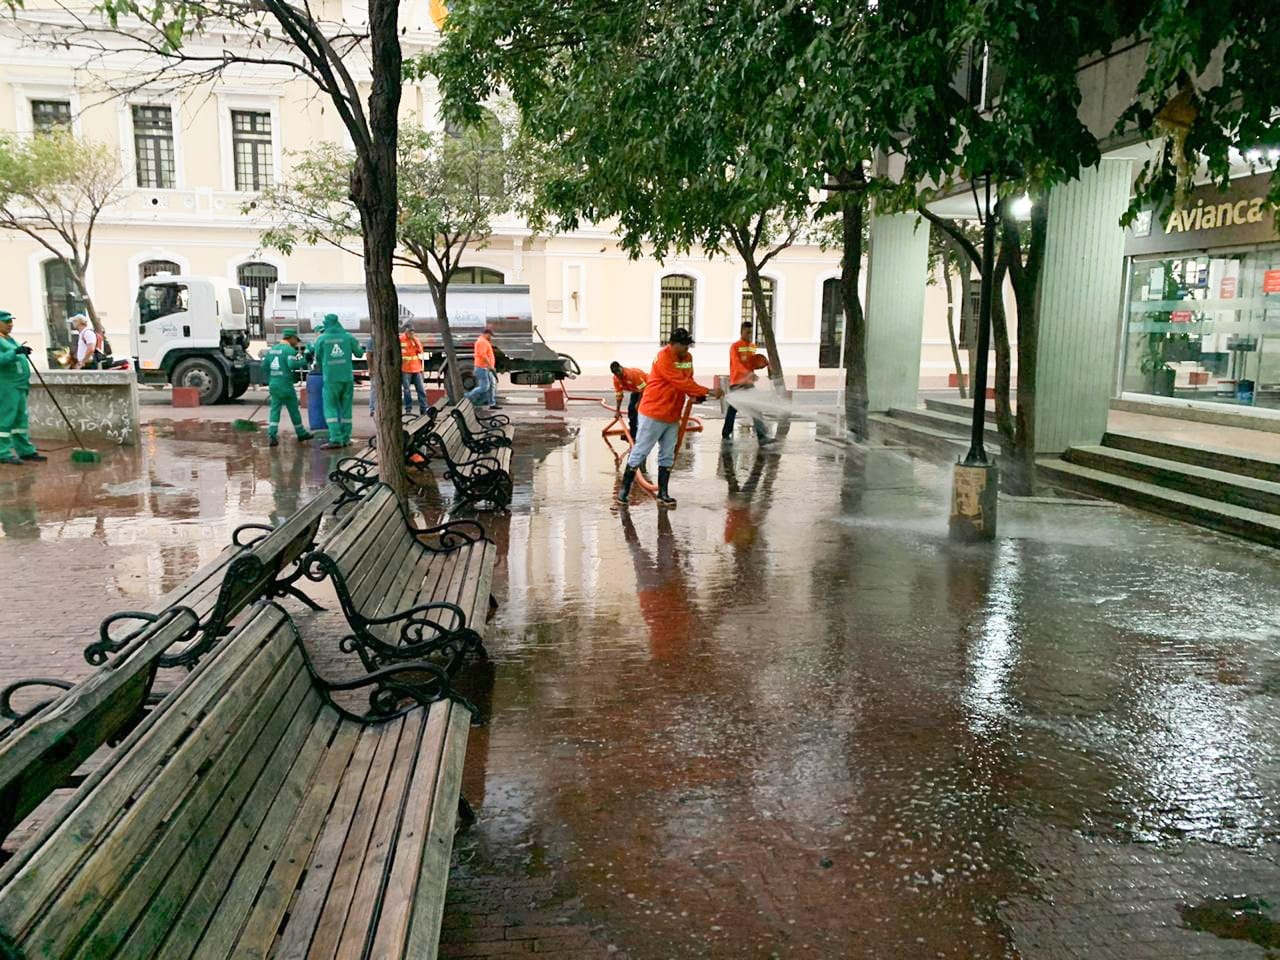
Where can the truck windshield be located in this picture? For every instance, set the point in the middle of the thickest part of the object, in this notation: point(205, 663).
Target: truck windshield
point(156, 300)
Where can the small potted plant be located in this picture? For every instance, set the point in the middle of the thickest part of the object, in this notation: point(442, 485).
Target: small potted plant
point(1160, 376)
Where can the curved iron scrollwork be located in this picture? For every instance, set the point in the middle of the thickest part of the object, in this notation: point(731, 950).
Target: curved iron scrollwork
point(420, 683)
point(354, 476)
point(479, 440)
point(448, 537)
point(265, 529)
point(108, 645)
point(19, 717)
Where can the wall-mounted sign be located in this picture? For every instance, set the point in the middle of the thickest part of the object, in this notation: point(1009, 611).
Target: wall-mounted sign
point(1271, 281)
point(1180, 316)
point(1209, 219)
point(1227, 288)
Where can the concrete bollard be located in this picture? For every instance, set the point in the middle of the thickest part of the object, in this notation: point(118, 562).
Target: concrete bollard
point(806, 381)
point(973, 502)
point(553, 398)
point(185, 397)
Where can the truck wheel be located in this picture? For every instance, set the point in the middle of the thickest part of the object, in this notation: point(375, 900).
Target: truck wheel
point(202, 374)
point(238, 386)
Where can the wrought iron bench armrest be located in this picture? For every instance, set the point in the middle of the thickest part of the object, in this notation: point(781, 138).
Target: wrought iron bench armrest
point(497, 419)
point(451, 535)
point(484, 464)
point(413, 614)
point(106, 645)
point(265, 529)
point(394, 683)
point(20, 717)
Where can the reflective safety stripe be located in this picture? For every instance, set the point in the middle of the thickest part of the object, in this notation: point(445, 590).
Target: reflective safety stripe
point(684, 366)
point(2, 435)
point(20, 433)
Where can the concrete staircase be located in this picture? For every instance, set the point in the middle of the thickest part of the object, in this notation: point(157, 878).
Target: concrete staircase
point(1220, 489)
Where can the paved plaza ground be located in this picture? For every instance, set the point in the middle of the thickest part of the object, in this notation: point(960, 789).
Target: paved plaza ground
point(789, 718)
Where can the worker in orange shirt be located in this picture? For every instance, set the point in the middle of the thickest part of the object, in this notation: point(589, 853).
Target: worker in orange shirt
point(670, 382)
point(485, 392)
point(744, 361)
point(630, 379)
point(411, 361)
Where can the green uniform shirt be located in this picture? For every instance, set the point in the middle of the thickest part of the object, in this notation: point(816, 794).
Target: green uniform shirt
point(334, 349)
point(15, 371)
point(278, 366)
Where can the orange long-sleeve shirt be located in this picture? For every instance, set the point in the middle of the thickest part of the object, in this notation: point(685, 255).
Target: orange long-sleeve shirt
point(670, 382)
point(484, 354)
point(743, 362)
point(632, 379)
point(410, 354)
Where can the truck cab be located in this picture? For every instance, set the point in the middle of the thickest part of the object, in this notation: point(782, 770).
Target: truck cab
point(192, 331)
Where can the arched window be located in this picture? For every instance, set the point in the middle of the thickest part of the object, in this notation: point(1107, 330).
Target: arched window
point(675, 305)
point(149, 268)
point(62, 301)
point(831, 340)
point(749, 303)
point(256, 278)
point(477, 275)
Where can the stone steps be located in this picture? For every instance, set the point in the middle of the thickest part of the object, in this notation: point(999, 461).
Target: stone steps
point(1261, 468)
point(1251, 524)
point(1212, 484)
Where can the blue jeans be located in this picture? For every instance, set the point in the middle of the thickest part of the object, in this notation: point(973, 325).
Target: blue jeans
point(416, 381)
point(731, 415)
point(655, 432)
point(485, 392)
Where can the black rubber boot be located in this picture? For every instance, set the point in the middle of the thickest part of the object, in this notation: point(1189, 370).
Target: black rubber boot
point(628, 478)
point(664, 498)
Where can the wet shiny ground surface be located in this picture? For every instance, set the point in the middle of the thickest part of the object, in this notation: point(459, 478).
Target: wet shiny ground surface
point(790, 718)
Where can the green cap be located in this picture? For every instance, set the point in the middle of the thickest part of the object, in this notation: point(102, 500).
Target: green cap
point(288, 332)
point(6, 316)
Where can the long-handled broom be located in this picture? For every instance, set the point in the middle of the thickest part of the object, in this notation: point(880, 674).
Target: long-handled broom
point(81, 453)
point(248, 425)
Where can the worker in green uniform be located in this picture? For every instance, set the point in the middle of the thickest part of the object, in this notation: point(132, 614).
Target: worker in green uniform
point(278, 366)
point(334, 348)
point(15, 384)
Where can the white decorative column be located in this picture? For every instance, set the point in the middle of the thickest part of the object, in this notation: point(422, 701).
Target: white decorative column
point(897, 275)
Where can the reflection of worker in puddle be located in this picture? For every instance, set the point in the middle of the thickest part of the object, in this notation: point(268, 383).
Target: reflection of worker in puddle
point(286, 483)
point(739, 527)
point(662, 587)
point(18, 509)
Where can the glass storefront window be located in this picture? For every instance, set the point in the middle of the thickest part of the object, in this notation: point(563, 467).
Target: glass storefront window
point(1205, 326)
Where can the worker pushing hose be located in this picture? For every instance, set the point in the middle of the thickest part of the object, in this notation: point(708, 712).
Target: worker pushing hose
point(663, 410)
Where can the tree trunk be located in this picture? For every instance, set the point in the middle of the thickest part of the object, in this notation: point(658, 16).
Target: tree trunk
point(765, 317)
point(1021, 469)
point(1000, 343)
point(78, 272)
point(951, 325)
point(852, 210)
point(373, 190)
point(453, 373)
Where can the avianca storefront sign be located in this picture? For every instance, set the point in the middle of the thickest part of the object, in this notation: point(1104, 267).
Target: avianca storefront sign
point(1208, 219)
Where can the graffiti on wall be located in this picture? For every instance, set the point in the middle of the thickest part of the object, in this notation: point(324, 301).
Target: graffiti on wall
point(101, 404)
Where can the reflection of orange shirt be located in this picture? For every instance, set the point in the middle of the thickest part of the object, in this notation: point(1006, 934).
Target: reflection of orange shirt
point(632, 379)
point(670, 381)
point(484, 354)
point(744, 361)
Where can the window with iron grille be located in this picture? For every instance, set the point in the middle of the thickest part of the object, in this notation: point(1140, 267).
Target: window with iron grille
point(477, 275)
point(831, 340)
point(256, 279)
point(675, 305)
point(62, 301)
point(149, 268)
point(749, 303)
point(47, 115)
point(153, 146)
point(251, 149)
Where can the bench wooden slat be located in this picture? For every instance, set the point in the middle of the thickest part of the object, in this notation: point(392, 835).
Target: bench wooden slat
point(372, 877)
point(177, 861)
point(337, 895)
point(397, 903)
point(231, 878)
point(428, 909)
point(256, 693)
point(270, 870)
point(39, 867)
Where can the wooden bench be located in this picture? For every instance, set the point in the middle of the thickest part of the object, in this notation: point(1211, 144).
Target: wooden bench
point(481, 434)
point(48, 741)
point(478, 477)
point(408, 593)
point(254, 813)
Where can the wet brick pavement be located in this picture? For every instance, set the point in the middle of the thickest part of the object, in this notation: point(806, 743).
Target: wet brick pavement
point(789, 719)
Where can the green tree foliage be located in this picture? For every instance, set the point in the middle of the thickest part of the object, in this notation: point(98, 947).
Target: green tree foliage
point(53, 188)
point(649, 114)
point(1209, 91)
point(451, 186)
